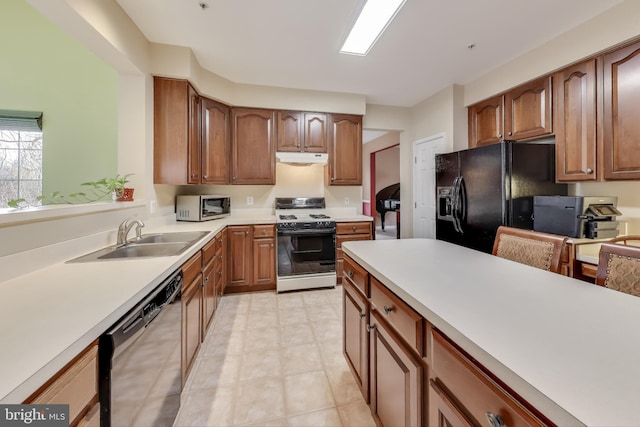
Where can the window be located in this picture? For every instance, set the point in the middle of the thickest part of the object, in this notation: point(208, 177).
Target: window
point(20, 156)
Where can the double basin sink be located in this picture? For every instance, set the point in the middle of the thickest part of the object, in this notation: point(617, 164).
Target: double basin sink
point(149, 245)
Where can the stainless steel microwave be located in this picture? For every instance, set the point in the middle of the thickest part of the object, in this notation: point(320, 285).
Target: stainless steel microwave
point(202, 207)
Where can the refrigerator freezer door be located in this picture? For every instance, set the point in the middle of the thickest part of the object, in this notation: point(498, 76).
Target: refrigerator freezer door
point(482, 170)
point(446, 176)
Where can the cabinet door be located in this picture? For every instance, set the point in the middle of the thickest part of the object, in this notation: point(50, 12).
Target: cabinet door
point(621, 127)
point(396, 378)
point(171, 129)
point(253, 146)
point(345, 150)
point(574, 122)
point(224, 258)
point(315, 132)
point(527, 110)
point(239, 257)
point(355, 337)
point(290, 131)
point(208, 297)
point(191, 324)
point(215, 142)
point(485, 122)
point(264, 263)
point(195, 160)
point(443, 412)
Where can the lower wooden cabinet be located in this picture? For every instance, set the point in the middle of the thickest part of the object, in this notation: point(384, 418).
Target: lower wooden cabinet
point(396, 378)
point(76, 385)
point(252, 258)
point(191, 324)
point(443, 412)
point(355, 310)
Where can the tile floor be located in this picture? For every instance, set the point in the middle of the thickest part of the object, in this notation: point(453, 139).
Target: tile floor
point(274, 360)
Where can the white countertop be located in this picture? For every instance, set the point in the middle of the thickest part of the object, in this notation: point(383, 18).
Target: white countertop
point(49, 315)
point(568, 347)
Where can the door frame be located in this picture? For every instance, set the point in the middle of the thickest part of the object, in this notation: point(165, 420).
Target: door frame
point(372, 182)
point(442, 136)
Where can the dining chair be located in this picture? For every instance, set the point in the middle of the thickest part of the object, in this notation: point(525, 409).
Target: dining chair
point(630, 239)
point(534, 248)
point(619, 268)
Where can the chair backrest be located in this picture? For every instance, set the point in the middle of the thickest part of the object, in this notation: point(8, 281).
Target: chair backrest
point(631, 240)
point(619, 268)
point(541, 250)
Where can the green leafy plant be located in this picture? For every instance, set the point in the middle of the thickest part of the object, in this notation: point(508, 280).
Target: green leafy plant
point(96, 190)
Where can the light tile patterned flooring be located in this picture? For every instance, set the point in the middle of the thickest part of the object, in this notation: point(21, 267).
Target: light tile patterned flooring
point(274, 360)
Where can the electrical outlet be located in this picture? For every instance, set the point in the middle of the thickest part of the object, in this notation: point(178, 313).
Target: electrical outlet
point(249, 200)
point(346, 200)
point(152, 206)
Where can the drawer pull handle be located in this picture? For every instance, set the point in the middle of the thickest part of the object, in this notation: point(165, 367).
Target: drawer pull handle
point(349, 273)
point(264, 231)
point(370, 328)
point(353, 228)
point(362, 315)
point(495, 420)
point(387, 309)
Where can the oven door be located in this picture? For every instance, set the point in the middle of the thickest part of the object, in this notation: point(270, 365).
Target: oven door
point(303, 252)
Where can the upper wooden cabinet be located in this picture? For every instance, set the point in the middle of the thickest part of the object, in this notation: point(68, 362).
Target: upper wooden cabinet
point(574, 122)
point(522, 113)
point(527, 110)
point(214, 142)
point(485, 122)
point(621, 127)
point(253, 139)
point(299, 131)
point(345, 150)
point(176, 129)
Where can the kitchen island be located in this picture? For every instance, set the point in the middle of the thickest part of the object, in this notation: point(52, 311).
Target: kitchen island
point(567, 347)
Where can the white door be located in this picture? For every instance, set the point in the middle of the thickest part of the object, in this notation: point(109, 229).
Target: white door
point(424, 184)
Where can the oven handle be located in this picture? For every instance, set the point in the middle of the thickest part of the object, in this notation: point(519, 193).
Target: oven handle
point(307, 232)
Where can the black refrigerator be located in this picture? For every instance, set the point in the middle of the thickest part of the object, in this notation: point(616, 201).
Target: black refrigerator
point(479, 189)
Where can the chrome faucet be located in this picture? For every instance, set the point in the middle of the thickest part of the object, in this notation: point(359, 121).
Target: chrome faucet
point(124, 229)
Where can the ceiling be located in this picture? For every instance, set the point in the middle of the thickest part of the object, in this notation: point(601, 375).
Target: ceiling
point(294, 43)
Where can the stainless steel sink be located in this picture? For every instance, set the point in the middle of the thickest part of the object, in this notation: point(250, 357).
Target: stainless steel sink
point(150, 245)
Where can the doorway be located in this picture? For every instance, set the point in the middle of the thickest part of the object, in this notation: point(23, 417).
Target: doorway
point(424, 182)
point(385, 186)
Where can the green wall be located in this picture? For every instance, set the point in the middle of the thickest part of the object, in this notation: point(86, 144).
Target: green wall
point(44, 69)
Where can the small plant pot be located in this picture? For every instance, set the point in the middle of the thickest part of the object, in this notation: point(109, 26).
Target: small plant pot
point(124, 195)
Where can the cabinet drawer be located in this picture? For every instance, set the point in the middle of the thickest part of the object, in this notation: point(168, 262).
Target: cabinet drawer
point(191, 268)
point(353, 228)
point(341, 239)
point(399, 315)
point(264, 231)
point(356, 275)
point(208, 251)
point(77, 385)
point(476, 393)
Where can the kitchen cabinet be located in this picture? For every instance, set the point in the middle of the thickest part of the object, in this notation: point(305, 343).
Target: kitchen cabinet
point(191, 312)
point(345, 150)
point(346, 231)
point(215, 142)
point(220, 263)
point(251, 258)
point(460, 387)
point(621, 127)
point(176, 127)
point(302, 131)
point(574, 122)
point(264, 257)
point(253, 146)
point(396, 377)
point(355, 310)
point(75, 385)
point(209, 291)
point(524, 112)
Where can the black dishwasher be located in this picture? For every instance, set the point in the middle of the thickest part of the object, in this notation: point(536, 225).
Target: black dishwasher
point(140, 361)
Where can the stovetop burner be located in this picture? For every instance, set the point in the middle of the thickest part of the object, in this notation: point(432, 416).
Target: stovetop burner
point(287, 217)
point(319, 216)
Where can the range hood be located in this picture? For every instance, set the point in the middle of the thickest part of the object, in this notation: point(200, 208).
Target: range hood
point(302, 158)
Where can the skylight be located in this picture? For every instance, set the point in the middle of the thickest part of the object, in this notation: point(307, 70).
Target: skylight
point(374, 18)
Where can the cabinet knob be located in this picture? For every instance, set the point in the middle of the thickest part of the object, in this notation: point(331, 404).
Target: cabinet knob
point(353, 228)
point(349, 273)
point(333, 178)
point(387, 309)
point(362, 315)
point(272, 245)
point(500, 136)
point(246, 233)
point(589, 171)
point(233, 178)
point(510, 133)
point(194, 175)
point(370, 328)
point(495, 420)
point(219, 273)
point(264, 231)
point(205, 176)
point(219, 256)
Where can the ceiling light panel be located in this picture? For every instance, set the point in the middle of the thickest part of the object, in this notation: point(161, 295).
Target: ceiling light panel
point(374, 18)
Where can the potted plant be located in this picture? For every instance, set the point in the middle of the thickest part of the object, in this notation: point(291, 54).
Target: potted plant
point(116, 186)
